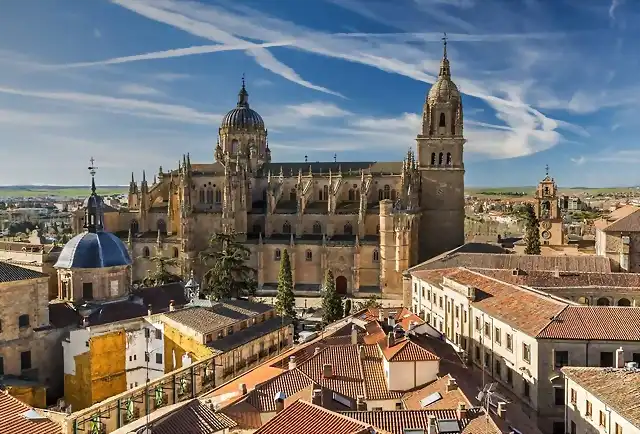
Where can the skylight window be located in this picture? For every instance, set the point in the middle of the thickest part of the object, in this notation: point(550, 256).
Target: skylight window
point(434, 397)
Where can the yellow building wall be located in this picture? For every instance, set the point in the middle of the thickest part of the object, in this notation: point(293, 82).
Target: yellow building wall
point(108, 365)
point(77, 388)
point(174, 340)
point(35, 396)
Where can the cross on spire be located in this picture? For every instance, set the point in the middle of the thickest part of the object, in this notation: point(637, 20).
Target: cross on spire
point(92, 170)
point(546, 169)
point(444, 42)
point(243, 80)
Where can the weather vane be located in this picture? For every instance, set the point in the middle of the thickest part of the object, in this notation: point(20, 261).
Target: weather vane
point(243, 79)
point(92, 168)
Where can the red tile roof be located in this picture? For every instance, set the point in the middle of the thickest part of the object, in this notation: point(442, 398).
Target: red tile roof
point(12, 420)
point(290, 382)
point(375, 382)
point(450, 399)
point(194, 418)
point(302, 417)
point(606, 323)
point(406, 351)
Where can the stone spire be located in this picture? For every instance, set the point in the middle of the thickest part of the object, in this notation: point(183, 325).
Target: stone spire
point(445, 69)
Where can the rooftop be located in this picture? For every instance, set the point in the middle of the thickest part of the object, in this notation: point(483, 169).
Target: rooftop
point(208, 319)
point(13, 273)
point(618, 388)
point(565, 279)
point(603, 323)
point(18, 418)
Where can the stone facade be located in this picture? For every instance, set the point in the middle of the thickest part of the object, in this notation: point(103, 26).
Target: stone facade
point(366, 221)
point(547, 209)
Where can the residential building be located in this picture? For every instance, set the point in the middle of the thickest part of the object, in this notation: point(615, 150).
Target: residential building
point(16, 417)
point(602, 399)
point(618, 238)
point(522, 337)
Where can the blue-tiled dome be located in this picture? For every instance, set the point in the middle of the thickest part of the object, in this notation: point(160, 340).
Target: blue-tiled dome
point(243, 117)
point(93, 250)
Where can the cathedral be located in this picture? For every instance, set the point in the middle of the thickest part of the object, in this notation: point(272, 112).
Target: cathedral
point(366, 221)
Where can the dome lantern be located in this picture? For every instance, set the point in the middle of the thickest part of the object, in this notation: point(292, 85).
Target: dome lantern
point(242, 117)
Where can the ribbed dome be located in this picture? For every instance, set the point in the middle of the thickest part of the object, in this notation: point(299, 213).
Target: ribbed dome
point(443, 90)
point(93, 250)
point(243, 117)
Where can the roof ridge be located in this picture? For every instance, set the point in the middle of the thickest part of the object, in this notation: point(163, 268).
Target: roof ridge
point(552, 321)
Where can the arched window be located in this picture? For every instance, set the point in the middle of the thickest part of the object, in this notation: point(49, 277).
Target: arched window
point(394, 195)
point(292, 194)
point(624, 302)
point(308, 255)
point(234, 146)
point(380, 194)
point(433, 158)
point(352, 195)
point(583, 300)
point(440, 158)
point(209, 196)
point(286, 228)
point(201, 196)
point(443, 121)
point(348, 229)
point(133, 226)
point(276, 255)
point(448, 158)
point(145, 252)
point(257, 229)
point(387, 191)
point(176, 252)
point(218, 196)
point(317, 228)
point(376, 255)
point(162, 226)
point(357, 195)
point(377, 229)
point(603, 301)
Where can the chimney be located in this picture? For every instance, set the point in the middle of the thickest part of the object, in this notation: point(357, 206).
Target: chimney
point(461, 411)
point(391, 341)
point(149, 310)
point(279, 399)
point(327, 370)
point(171, 306)
point(361, 352)
point(451, 384)
point(619, 358)
point(380, 315)
point(391, 321)
point(431, 424)
point(292, 362)
point(243, 388)
point(502, 410)
point(316, 351)
point(85, 321)
point(354, 335)
point(361, 405)
point(316, 397)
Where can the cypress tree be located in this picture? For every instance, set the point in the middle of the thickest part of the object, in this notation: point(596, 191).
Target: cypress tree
point(285, 299)
point(332, 309)
point(532, 235)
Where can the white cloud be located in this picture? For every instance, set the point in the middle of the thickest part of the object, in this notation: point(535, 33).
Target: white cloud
point(579, 161)
point(615, 4)
point(170, 76)
point(36, 119)
point(138, 89)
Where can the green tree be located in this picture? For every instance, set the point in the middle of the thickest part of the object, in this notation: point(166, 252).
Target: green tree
point(161, 275)
point(227, 275)
point(332, 309)
point(371, 302)
point(285, 299)
point(532, 234)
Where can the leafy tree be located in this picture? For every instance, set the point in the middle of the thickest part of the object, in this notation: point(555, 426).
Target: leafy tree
point(227, 274)
point(532, 234)
point(371, 302)
point(347, 307)
point(161, 275)
point(331, 301)
point(285, 299)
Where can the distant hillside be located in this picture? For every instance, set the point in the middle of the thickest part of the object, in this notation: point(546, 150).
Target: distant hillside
point(32, 191)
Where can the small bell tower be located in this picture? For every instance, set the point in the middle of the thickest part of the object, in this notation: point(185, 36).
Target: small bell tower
point(548, 212)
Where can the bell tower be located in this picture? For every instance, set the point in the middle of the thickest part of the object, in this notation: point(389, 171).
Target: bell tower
point(440, 162)
point(548, 212)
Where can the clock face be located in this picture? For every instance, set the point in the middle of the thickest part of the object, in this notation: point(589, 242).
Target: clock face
point(546, 235)
point(546, 224)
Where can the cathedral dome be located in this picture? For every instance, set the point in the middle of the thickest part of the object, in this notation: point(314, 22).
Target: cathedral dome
point(93, 250)
point(444, 89)
point(243, 117)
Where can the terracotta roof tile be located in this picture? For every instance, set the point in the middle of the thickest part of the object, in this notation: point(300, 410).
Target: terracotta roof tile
point(194, 418)
point(289, 382)
point(375, 382)
point(595, 323)
point(302, 417)
point(406, 351)
point(449, 399)
point(625, 219)
point(618, 388)
point(563, 279)
point(203, 320)
point(12, 419)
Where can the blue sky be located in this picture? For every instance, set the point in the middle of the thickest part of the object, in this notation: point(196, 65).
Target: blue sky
point(137, 83)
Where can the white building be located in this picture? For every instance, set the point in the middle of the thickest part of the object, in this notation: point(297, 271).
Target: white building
point(603, 400)
point(148, 338)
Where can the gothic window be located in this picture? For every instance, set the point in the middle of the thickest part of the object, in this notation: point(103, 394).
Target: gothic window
point(201, 194)
point(133, 226)
point(357, 195)
point(352, 195)
point(308, 255)
point(276, 255)
point(376, 255)
point(292, 195)
point(286, 228)
point(440, 158)
point(257, 229)
point(443, 121)
point(145, 252)
point(317, 228)
point(348, 229)
point(209, 196)
point(176, 252)
point(448, 158)
point(380, 194)
point(377, 229)
point(218, 196)
point(433, 158)
point(394, 194)
point(387, 191)
point(162, 226)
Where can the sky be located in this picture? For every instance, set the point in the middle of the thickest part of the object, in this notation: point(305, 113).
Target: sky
point(138, 83)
